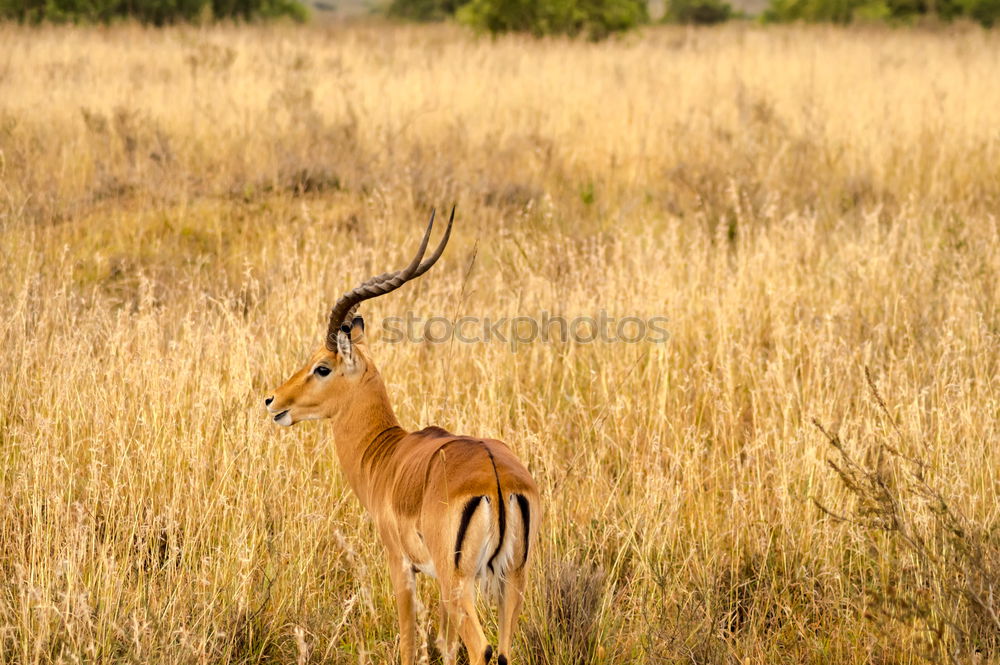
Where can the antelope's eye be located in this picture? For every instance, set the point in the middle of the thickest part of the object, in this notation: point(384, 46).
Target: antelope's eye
point(321, 370)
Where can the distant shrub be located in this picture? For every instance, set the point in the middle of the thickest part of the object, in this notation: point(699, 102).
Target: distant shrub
point(594, 18)
point(872, 12)
point(156, 12)
point(424, 10)
point(838, 11)
point(698, 11)
point(986, 12)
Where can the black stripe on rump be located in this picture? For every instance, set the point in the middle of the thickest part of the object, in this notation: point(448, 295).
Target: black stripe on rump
point(463, 526)
point(522, 503)
point(501, 510)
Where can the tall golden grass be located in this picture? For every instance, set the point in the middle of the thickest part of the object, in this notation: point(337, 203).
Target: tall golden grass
point(178, 207)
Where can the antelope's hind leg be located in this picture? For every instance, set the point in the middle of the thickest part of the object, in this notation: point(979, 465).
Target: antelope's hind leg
point(514, 579)
point(511, 598)
point(458, 599)
point(447, 640)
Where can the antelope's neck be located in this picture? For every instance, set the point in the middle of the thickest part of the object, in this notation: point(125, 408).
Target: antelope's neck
point(365, 431)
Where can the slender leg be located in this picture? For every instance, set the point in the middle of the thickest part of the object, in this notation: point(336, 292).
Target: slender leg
point(511, 597)
point(447, 641)
point(459, 598)
point(404, 587)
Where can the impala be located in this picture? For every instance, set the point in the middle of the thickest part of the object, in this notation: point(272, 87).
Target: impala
point(461, 509)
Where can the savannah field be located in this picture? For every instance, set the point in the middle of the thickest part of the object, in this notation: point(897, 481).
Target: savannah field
point(806, 471)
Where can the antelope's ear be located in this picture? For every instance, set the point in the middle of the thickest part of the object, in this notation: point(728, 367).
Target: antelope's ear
point(345, 349)
point(357, 330)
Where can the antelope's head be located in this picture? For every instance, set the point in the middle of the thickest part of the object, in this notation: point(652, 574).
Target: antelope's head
point(339, 369)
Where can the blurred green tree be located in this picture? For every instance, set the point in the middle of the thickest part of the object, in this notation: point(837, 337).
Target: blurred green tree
point(702, 12)
point(986, 12)
point(156, 12)
point(594, 18)
point(424, 10)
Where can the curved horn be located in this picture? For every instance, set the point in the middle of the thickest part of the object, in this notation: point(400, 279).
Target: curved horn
point(343, 312)
point(426, 265)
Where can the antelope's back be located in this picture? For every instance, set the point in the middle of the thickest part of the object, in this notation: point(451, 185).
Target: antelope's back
point(458, 467)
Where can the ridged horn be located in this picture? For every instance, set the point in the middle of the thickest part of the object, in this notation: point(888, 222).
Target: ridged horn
point(343, 312)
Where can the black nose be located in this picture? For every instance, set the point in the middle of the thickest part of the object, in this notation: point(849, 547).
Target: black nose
point(267, 402)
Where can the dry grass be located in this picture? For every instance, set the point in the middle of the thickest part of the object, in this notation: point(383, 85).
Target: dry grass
point(178, 207)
